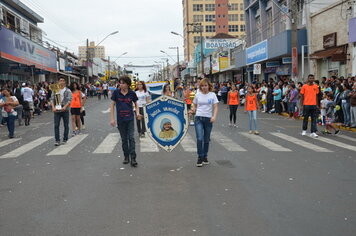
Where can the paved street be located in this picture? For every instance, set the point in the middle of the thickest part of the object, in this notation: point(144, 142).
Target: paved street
point(278, 183)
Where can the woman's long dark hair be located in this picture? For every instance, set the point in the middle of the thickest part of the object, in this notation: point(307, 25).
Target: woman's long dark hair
point(71, 87)
point(143, 85)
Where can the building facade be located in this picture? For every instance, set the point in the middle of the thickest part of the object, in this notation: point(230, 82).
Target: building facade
point(268, 51)
point(331, 47)
point(215, 16)
point(22, 54)
point(94, 51)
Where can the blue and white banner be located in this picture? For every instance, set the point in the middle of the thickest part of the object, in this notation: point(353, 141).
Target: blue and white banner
point(166, 120)
point(257, 53)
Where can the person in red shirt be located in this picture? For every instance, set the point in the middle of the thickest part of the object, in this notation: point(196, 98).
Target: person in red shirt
point(309, 99)
point(251, 108)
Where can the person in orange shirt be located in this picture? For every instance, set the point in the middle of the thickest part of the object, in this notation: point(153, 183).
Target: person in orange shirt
point(189, 100)
point(309, 100)
point(233, 100)
point(251, 107)
point(76, 107)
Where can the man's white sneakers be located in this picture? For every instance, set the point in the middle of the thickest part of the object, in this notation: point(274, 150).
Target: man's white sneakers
point(314, 135)
point(304, 132)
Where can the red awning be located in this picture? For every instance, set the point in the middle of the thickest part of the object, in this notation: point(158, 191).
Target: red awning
point(336, 54)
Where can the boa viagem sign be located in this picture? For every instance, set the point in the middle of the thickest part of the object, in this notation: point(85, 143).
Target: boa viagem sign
point(17, 48)
point(257, 53)
point(221, 43)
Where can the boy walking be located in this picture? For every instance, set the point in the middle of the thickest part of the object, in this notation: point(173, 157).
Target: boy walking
point(123, 99)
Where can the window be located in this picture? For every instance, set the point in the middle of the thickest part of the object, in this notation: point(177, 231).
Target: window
point(242, 17)
point(241, 6)
point(210, 28)
point(209, 7)
point(242, 28)
point(196, 39)
point(198, 18)
point(209, 18)
point(233, 17)
point(233, 28)
point(197, 7)
point(233, 7)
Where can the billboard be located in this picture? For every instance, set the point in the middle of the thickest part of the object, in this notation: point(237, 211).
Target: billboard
point(221, 43)
point(257, 53)
point(17, 48)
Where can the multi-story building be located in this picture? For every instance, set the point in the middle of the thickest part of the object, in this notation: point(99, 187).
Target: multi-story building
point(215, 16)
point(94, 51)
point(269, 43)
point(22, 54)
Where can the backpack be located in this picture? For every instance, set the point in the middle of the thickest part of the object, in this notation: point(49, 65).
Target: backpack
point(18, 95)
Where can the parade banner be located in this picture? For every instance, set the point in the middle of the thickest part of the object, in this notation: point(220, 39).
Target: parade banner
point(166, 120)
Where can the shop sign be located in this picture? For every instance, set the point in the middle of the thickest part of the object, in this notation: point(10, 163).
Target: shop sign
point(257, 53)
point(19, 49)
point(257, 69)
point(272, 64)
point(286, 60)
point(352, 30)
point(283, 70)
point(224, 63)
point(166, 120)
point(249, 68)
point(221, 43)
point(329, 40)
point(215, 68)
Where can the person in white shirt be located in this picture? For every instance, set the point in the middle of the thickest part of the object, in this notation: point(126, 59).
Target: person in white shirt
point(143, 98)
point(28, 94)
point(105, 90)
point(8, 103)
point(206, 110)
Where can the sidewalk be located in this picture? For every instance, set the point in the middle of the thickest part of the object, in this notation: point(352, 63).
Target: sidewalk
point(337, 125)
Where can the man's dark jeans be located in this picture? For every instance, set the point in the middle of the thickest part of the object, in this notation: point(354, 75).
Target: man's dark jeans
point(310, 110)
point(126, 129)
point(57, 119)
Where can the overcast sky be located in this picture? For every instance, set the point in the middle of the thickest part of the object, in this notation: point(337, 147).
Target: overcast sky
point(144, 27)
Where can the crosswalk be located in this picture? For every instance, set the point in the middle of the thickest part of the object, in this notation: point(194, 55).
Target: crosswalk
point(273, 141)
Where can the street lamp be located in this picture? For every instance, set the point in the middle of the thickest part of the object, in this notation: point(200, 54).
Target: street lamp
point(87, 51)
point(178, 67)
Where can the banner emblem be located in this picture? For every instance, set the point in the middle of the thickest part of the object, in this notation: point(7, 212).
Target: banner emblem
point(166, 121)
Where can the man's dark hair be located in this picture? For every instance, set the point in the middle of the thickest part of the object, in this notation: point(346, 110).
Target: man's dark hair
point(329, 95)
point(310, 75)
point(125, 79)
point(61, 77)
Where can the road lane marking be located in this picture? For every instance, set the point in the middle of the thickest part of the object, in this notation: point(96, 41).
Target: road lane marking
point(108, 144)
point(266, 143)
point(147, 145)
point(301, 143)
point(66, 148)
point(336, 143)
point(9, 141)
point(226, 142)
point(26, 148)
point(346, 137)
point(188, 143)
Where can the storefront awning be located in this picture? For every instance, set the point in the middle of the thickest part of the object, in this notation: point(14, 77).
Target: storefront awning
point(336, 54)
point(68, 75)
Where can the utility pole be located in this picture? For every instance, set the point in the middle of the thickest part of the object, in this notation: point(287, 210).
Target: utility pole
point(87, 80)
point(200, 31)
point(167, 69)
point(108, 68)
point(178, 66)
point(294, 9)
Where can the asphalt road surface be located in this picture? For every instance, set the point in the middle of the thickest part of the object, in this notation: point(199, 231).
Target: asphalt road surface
point(277, 183)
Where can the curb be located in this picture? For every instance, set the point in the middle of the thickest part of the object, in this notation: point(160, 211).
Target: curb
point(337, 125)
